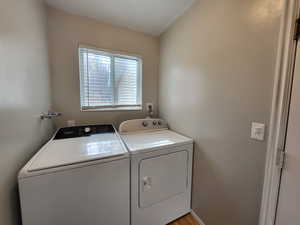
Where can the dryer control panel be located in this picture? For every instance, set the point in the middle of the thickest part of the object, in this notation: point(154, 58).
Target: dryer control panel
point(148, 124)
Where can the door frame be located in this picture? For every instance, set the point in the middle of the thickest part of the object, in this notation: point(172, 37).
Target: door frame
point(279, 112)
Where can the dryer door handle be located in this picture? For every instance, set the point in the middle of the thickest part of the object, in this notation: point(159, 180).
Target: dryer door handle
point(147, 183)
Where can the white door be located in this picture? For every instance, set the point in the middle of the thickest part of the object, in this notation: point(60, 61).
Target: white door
point(163, 177)
point(288, 212)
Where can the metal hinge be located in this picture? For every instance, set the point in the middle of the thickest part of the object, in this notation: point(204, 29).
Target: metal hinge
point(282, 159)
point(297, 30)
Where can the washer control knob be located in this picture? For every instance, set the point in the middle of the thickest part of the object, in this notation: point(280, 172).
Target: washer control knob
point(159, 123)
point(145, 123)
point(87, 129)
point(154, 123)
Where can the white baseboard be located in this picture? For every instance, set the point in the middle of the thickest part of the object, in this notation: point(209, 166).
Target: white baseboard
point(197, 217)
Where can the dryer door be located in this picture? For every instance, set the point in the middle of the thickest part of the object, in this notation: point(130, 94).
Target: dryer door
point(162, 177)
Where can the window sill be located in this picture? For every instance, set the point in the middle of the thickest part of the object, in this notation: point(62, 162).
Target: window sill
point(130, 108)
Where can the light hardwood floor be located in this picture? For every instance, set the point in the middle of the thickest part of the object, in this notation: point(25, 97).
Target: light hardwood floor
point(185, 220)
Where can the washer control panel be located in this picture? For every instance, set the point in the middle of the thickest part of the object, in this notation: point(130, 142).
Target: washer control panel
point(81, 131)
point(142, 124)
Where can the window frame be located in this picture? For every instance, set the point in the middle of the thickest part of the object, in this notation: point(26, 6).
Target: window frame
point(120, 54)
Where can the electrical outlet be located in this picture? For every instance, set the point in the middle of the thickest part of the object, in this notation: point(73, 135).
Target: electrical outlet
point(71, 123)
point(150, 108)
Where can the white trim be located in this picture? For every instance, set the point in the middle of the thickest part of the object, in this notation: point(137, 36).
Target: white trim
point(99, 109)
point(196, 217)
point(278, 121)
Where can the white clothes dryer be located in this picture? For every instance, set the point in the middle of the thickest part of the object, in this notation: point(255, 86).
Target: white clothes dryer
point(161, 171)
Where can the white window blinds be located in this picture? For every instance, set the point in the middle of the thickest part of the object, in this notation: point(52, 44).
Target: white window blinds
point(109, 80)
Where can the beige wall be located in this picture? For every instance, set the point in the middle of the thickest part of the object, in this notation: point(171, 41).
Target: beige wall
point(216, 77)
point(24, 94)
point(66, 31)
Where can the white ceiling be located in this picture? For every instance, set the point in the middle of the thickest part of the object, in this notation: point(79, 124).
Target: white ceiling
point(149, 16)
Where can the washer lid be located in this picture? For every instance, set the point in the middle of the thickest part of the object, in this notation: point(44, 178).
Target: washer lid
point(148, 141)
point(62, 152)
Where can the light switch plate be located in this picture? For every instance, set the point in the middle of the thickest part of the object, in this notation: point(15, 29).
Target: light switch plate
point(258, 131)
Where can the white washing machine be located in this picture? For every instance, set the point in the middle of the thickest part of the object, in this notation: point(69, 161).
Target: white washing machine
point(79, 177)
point(161, 171)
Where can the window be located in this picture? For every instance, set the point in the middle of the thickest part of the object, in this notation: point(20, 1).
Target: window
point(109, 80)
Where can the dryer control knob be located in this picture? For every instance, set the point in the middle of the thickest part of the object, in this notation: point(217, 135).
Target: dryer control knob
point(154, 123)
point(145, 124)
